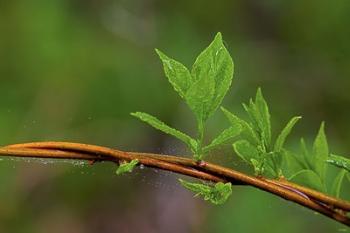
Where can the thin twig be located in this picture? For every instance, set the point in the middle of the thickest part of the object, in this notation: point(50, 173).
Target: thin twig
point(319, 202)
point(314, 195)
point(58, 154)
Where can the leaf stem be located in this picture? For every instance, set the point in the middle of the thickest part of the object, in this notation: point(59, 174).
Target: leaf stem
point(331, 207)
point(199, 152)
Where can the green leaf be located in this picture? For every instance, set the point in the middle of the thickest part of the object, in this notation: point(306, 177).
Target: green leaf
point(291, 163)
point(339, 161)
point(337, 183)
point(153, 121)
point(284, 133)
point(254, 116)
point(247, 131)
point(264, 116)
point(177, 74)
point(126, 167)
point(223, 137)
point(259, 115)
point(308, 178)
point(320, 152)
point(307, 159)
point(212, 69)
point(258, 166)
point(245, 150)
point(217, 194)
point(199, 98)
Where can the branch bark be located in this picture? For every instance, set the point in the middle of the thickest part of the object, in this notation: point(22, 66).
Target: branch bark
point(328, 206)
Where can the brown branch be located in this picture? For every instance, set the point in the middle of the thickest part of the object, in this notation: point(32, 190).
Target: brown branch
point(319, 202)
point(57, 154)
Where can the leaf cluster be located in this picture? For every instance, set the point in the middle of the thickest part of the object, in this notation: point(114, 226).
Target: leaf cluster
point(268, 158)
point(256, 146)
point(203, 89)
point(314, 165)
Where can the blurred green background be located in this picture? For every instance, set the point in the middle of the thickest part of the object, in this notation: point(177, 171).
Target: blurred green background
point(74, 70)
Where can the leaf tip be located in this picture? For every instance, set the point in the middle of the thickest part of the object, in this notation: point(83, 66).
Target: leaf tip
point(126, 167)
point(135, 114)
point(218, 36)
point(259, 93)
point(160, 53)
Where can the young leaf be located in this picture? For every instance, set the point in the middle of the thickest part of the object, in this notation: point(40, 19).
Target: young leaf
point(264, 116)
point(245, 150)
point(223, 137)
point(216, 65)
point(177, 74)
point(258, 167)
point(247, 131)
point(217, 194)
point(285, 132)
point(153, 121)
point(337, 183)
point(126, 167)
point(308, 178)
point(306, 155)
point(199, 98)
point(259, 115)
point(291, 163)
point(320, 152)
point(254, 116)
point(339, 161)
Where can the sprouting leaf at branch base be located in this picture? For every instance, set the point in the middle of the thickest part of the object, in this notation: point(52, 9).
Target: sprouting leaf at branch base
point(217, 194)
point(126, 167)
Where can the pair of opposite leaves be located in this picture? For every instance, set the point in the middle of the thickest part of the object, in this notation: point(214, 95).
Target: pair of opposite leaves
point(203, 89)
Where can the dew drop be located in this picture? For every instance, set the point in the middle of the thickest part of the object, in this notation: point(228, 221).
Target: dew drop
point(78, 163)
